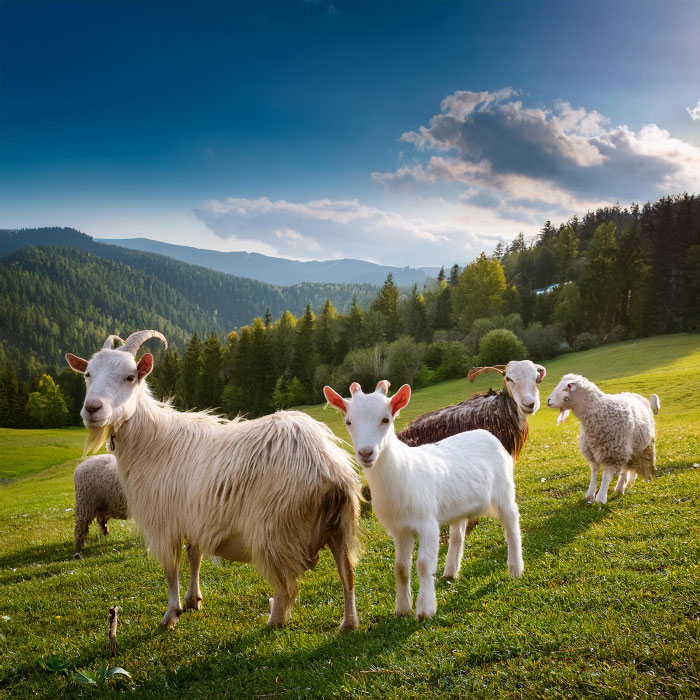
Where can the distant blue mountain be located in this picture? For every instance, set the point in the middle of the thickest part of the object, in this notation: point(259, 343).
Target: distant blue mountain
point(280, 271)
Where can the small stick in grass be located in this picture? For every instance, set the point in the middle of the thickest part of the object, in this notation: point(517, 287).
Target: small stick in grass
point(113, 629)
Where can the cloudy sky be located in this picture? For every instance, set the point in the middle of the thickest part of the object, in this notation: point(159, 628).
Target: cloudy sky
point(408, 133)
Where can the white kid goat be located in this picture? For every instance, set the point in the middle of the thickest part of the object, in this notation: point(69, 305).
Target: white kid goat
point(271, 491)
point(415, 490)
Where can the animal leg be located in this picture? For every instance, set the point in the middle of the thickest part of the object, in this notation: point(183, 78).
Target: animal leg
point(341, 555)
point(631, 480)
point(102, 520)
point(428, 544)
point(193, 597)
point(80, 533)
point(455, 549)
point(622, 479)
point(172, 574)
point(286, 591)
point(403, 554)
point(509, 515)
point(590, 494)
point(608, 473)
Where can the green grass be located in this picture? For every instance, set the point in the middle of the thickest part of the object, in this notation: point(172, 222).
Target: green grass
point(609, 605)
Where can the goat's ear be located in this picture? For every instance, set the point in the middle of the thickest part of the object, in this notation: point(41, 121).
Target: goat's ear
point(541, 373)
point(400, 399)
point(563, 415)
point(144, 366)
point(572, 386)
point(354, 387)
point(76, 363)
point(383, 387)
point(334, 399)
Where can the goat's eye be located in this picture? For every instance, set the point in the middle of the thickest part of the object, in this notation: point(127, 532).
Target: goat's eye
point(87, 375)
point(130, 378)
point(347, 422)
point(385, 420)
point(508, 379)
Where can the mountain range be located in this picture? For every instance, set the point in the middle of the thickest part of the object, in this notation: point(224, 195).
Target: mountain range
point(281, 270)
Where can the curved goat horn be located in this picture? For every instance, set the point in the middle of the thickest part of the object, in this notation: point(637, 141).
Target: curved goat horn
point(476, 371)
point(109, 343)
point(136, 340)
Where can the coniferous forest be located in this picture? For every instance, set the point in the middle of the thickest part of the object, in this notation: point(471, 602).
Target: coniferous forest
point(615, 274)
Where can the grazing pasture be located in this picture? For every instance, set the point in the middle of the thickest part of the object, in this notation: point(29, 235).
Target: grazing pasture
point(609, 604)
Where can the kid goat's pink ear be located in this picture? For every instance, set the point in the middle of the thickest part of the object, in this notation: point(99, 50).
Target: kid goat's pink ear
point(400, 399)
point(334, 399)
point(144, 366)
point(76, 363)
point(541, 373)
point(383, 387)
point(354, 387)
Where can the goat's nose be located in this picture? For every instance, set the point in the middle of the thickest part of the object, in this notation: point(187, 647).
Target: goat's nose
point(93, 405)
point(530, 405)
point(365, 452)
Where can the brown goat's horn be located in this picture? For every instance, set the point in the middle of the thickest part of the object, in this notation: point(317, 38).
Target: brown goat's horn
point(136, 340)
point(476, 371)
point(109, 343)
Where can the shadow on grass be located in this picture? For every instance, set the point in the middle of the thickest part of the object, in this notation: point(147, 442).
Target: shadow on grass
point(60, 552)
point(564, 525)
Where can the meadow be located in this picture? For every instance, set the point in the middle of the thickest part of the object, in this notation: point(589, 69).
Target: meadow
point(609, 605)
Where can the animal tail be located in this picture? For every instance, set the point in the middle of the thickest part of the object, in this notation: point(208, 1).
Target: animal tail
point(655, 403)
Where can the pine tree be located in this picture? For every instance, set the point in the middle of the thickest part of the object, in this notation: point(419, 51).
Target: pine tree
point(282, 340)
point(166, 375)
point(454, 275)
point(304, 363)
point(386, 303)
point(190, 374)
point(325, 333)
point(415, 321)
point(211, 385)
point(262, 378)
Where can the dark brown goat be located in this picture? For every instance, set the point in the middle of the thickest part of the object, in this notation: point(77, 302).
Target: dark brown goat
point(494, 411)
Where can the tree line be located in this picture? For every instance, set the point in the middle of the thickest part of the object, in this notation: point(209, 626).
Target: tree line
point(615, 274)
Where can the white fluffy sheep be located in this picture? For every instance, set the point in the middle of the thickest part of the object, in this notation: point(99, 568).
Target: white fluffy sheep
point(271, 491)
point(415, 490)
point(617, 431)
point(98, 494)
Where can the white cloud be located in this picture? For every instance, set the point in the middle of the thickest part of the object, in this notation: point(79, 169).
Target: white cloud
point(694, 112)
point(507, 157)
point(436, 232)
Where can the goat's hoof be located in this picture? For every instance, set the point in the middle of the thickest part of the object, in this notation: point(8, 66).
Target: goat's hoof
point(350, 624)
point(193, 603)
point(76, 555)
point(450, 575)
point(516, 570)
point(425, 615)
point(171, 618)
point(403, 612)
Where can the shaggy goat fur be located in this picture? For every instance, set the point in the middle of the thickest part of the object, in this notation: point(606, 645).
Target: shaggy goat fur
point(617, 431)
point(494, 411)
point(272, 491)
point(98, 494)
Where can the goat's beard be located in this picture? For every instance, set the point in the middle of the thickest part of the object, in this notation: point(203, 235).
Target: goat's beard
point(96, 439)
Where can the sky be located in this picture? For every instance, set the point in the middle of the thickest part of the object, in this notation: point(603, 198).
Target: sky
point(405, 133)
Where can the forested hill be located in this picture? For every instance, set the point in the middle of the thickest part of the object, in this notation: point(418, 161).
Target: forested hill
point(61, 297)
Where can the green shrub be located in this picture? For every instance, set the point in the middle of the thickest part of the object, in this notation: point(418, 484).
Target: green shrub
point(366, 366)
point(586, 341)
point(542, 342)
point(500, 346)
point(424, 377)
point(456, 361)
point(404, 359)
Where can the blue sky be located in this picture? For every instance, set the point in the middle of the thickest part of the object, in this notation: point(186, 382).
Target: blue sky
point(408, 133)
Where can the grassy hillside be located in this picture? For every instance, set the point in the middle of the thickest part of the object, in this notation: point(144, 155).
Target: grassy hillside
point(609, 605)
